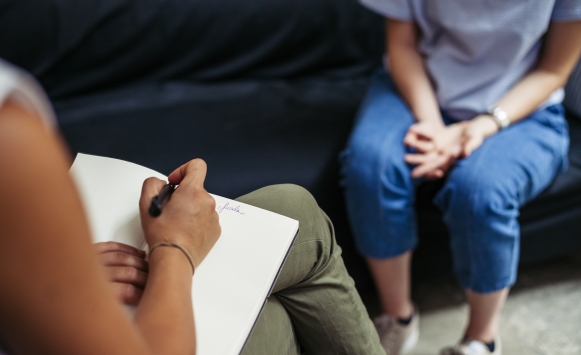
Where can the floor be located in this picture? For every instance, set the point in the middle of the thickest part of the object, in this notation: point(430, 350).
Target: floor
point(542, 315)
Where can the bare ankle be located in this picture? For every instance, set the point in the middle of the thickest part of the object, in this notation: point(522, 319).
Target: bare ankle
point(484, 335)
point(400, 311)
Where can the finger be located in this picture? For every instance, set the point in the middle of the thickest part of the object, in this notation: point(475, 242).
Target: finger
point(447, 165)
point(193, 172)
point(127, 293)
point(470, 145)
point(428, 166)
point(151, 188)
point(453, 151)
point(441, 171)
point(126, 274)
point(422, 145)
point(424, 131)
point(408, 139)
point(435, 174)
point(411, 140)
point(415, 159)
point(106, 247)
point(118, 258)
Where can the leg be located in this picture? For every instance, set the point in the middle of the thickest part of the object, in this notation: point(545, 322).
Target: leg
point(379, 193)
point(392, 279)
point(273, 333)
point(314, 287)
point(480, 202)
point(485, 311)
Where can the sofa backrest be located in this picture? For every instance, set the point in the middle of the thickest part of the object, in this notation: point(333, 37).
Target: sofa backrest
point(75, 47)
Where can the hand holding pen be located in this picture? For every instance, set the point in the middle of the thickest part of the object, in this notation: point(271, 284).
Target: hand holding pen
point(187, 214)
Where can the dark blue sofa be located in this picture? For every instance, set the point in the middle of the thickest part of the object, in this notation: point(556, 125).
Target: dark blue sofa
point(265, 91)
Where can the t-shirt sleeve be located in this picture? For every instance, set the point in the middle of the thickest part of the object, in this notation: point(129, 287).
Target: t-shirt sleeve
point(566, 10)
point(396, 9)
point(21, 86)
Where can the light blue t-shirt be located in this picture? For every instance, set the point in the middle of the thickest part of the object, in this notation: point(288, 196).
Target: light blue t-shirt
point(476, 50)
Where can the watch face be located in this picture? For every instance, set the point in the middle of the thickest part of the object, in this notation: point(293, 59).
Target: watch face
point(502, 116)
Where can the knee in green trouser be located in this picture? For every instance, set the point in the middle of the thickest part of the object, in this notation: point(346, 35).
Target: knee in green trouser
point(295, 202)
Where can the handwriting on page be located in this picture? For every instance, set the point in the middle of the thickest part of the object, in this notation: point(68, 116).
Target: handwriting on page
point(227, 207)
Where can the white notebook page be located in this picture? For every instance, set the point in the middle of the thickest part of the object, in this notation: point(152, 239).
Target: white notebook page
point(232, 283)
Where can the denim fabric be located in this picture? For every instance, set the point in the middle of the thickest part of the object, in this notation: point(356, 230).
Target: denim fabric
point(480, 199)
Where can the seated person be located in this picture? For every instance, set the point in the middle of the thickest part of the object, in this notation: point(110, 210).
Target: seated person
point(471, 94)
point(54, 298)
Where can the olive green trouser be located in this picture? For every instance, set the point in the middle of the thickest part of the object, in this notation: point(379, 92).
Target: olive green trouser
point(314, 304)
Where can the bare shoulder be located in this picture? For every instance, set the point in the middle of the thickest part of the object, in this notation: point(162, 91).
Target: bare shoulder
point(22, 133)
point(33, 160)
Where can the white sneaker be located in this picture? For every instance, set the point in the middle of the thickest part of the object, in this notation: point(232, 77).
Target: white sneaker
point(472, 347)
point(396, 338)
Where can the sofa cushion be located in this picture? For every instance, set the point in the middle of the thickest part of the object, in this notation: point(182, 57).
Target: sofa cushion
point(251, 133)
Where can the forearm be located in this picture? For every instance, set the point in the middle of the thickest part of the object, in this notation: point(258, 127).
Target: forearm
point(522, 100)
point(164, 315)
point(558, 57)
point(561, 51)
point(407, 70)
point(526, 96)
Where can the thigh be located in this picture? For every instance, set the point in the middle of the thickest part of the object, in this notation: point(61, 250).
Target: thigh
point(518, 162)
point(382, 122)
point(481, 198)
point(273, 333)
point(379, 189)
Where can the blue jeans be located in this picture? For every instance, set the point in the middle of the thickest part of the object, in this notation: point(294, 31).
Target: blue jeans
point(480, 199)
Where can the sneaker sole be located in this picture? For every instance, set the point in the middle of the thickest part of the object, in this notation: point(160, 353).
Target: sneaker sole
point(410, 343)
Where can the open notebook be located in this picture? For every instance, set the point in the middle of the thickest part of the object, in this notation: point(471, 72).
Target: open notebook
point(232, 284)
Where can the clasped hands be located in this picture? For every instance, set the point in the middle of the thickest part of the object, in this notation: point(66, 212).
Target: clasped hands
point(437, 147)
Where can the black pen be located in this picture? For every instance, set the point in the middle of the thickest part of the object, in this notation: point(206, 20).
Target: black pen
point(157, 202)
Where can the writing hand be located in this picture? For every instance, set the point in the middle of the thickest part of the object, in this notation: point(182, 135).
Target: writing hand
point(125, 268)
point(189, 218)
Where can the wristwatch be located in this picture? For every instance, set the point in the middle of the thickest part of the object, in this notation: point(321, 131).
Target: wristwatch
point(499, 116)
